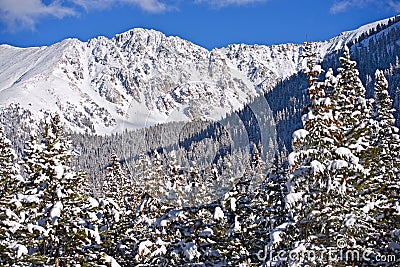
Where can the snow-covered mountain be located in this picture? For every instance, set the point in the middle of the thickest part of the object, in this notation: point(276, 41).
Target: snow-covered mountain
point(142, 77)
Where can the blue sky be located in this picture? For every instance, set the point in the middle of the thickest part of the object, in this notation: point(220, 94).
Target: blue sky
point(209, 23)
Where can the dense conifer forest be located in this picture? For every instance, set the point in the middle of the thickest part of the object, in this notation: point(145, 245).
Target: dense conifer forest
point(207, 196)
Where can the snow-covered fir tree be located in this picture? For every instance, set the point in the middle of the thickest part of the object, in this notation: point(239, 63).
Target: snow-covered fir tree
point(116, 183)
point(238, 217)
point(194, 188)
point(387, 138)
point(381, 198)
point(352, 111)
point(143, 171)
point(176, 182)
point(10, 182)
point(117, 206)
point(312, 190)
point(9, 169)
point(331, 162)
point(270, 218)
point(151, 174)
point(59, 220)
point(358, 142)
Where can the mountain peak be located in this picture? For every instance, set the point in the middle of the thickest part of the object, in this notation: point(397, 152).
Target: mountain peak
point(143, 77)
point(137, 35)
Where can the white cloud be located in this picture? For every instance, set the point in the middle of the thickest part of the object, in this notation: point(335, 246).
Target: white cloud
point(343, 5)
point(224, 3)
point(395, 5)
point(340, 6)
point(153, 6)
point(17, 15)
point(149, 5)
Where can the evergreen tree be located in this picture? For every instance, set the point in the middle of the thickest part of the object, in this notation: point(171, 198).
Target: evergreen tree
point(116, 184)
point(153, 176)
point(175, 184)
point(243, 226)
point(195, 188)
point(387, 138)
point(271, 218)
point(311, 182)
point(371, 209)
point(352, 111)
point(143, 172)
point(117, 204)
point(58, 214)
point(9, 169)
point(323, 189)
point(10, 181)
point(381, 198)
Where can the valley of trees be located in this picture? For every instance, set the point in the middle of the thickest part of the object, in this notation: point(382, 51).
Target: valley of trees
point(333, 200)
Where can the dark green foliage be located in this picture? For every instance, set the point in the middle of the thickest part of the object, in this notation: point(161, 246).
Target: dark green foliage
point(55, 213)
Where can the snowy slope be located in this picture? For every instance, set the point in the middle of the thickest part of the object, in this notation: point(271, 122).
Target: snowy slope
point(142, 77)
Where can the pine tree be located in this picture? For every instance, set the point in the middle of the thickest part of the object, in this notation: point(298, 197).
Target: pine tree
point(59, 216)
point(328, 164)
point(195, 189)
point(370, 210)
point(175, 184)
point(10, 181)
point(271, 218)
point(142, 243)
point(146, 236)
point(381, 198)
point(117, 205)
point(314, 144)
point(9, 169)
point(310, 181)
point(352, 111)
point(387, 138)
point(154, 176)
point(116, 184)
point(143, 172)
point(244, 209)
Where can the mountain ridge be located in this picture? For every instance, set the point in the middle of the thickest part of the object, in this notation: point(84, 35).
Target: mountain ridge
point(142, 77)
